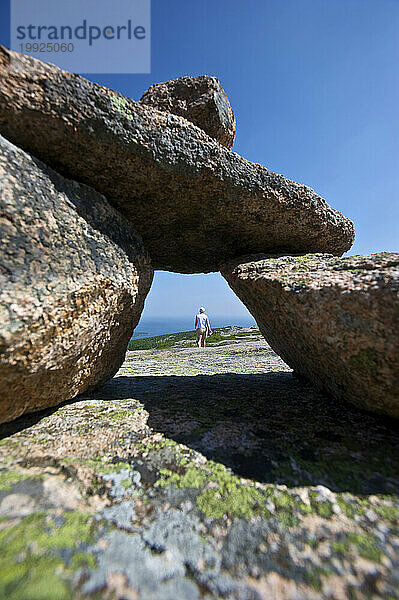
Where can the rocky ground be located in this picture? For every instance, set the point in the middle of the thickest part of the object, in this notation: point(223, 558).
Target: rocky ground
point(200, 474)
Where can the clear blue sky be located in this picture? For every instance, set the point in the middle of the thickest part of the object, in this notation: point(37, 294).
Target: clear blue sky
point(314, 87)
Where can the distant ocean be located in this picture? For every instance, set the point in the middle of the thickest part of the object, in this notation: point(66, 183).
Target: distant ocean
point(152, 326)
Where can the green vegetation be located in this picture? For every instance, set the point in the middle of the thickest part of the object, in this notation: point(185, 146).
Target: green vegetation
point(389, 513)
point(30, 562)
point(98, 465)
point(312, 577)
point(222, 493)
point(217, 337)
point(347, 508)
point(322, 508)
point(360, 506)
point(343, 468)
point(8, 478)
point(122, 105)
point(161, 342)
point(82, 560)
point(231, 498)
point(119, 415)
point(365, 359)
point(366, 545)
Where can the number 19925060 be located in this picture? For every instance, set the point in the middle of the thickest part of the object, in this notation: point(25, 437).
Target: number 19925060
point(47, 47)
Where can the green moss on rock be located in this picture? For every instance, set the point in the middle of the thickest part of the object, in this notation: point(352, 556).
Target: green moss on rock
point(365, 359)
point(30, 564)
point(9, 477)
point(221, 492)
point(366, 545)
point(122, 105)
point(234, 499)
point(389, 513)
point(192, 478)
point(120, 415)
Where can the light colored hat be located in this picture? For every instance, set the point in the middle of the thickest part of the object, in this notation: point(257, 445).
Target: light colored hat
point(202, 309)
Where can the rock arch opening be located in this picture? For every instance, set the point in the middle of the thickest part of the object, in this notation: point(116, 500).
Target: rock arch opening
point(175, 298)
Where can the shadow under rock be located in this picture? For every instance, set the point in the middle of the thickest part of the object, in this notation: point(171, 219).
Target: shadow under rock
point(270, 427)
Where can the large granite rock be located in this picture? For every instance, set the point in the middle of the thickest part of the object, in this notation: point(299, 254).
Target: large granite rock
point(334, 321)
point(73, 278)
point(201, 100)
point(195, 203)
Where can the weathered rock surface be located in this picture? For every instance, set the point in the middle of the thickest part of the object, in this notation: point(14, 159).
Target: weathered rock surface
point(194, 203)
point(334, 321)
point(216, 485)
point(201, 100)
point(73, 278)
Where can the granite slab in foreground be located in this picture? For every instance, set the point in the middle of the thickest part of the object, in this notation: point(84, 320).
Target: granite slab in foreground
point(217, 475)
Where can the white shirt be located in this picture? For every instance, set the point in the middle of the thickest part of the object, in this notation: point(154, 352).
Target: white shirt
point(201, 321)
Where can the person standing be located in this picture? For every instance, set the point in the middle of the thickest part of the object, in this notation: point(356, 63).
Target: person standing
point(202, 327)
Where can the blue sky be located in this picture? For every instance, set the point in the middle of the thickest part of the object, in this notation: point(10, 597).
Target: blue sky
point(314, 86)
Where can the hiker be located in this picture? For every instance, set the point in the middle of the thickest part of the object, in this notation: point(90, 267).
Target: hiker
point(202, 327)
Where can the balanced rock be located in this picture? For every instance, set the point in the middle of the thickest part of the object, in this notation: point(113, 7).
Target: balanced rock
point(195, 203)
point(73, 279)
point(201, 100)
point(334, 321)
